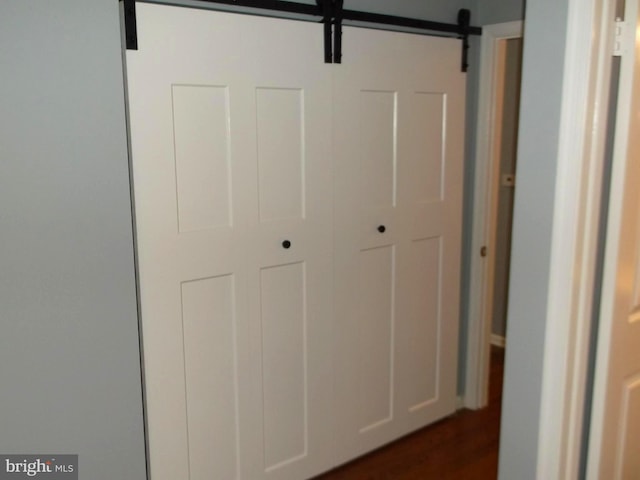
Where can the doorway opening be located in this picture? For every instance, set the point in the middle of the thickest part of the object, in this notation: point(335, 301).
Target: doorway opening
point(494, 188)
point(508, 72)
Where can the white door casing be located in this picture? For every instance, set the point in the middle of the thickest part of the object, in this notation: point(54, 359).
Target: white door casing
point(398, 130)
point(485, 218)
point(228, 165)
point(615, 422)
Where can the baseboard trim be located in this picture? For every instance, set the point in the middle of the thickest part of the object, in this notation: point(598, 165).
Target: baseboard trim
point(498, 341)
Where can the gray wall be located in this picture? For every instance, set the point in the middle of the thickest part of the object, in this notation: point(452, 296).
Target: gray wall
point(499, 11)
point(69, 360)
point(541, 98)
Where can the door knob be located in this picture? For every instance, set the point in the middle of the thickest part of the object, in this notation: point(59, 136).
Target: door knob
point(286, 244)
point(382, 229)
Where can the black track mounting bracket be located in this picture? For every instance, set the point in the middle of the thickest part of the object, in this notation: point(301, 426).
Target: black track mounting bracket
point(337, 30)
point(326, 9)
point(331, 11)
point(464, 22)
point(130, 27)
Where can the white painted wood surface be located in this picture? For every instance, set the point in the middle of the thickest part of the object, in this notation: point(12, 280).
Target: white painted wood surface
point(242, 139)
point(398, 147)
point(615, 421)
point(228, 163)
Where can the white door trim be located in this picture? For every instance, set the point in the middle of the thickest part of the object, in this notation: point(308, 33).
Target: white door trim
point(612, 306)
point(576, 224)
point(485, 217)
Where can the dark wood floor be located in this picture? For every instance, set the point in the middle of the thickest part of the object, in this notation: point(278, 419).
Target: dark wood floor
point(461, 447)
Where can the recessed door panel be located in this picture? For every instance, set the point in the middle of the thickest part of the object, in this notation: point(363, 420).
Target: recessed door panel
point(424, 323)
point(428, 181)
point(377, 121)
point(209, 326)
point(284, 366)
point(376, 339)
point(201, 135)
point(280, 130)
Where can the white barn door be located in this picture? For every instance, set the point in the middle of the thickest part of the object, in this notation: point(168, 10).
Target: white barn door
point(398, 148)
point(298, 230)
point(232, 177)
point(614, 444)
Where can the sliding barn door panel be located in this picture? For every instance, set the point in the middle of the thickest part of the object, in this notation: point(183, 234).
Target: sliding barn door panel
point(398, 147)
point(235, 237)
point(298, 229)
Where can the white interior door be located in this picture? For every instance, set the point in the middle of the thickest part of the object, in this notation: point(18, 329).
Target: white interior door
point(614, 445)
point(247, 215)
point(398, 148)
point(232, 178)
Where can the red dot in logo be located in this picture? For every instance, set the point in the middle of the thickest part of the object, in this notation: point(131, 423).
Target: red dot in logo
point(48, 462)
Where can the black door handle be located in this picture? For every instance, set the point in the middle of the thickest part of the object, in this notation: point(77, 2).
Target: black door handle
point(382, 229)
point(286, 244)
